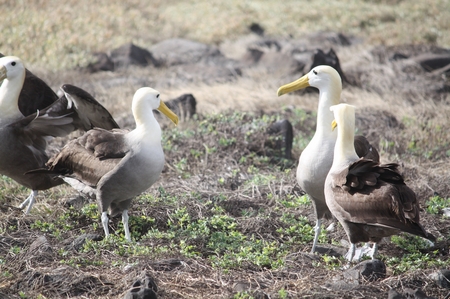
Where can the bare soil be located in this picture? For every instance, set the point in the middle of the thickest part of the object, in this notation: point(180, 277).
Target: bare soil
point(403, 110)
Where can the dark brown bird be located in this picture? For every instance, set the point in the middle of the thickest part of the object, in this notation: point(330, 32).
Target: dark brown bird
point(115, 166)
point(370, 200)
point(316, 159)
point(23, 138)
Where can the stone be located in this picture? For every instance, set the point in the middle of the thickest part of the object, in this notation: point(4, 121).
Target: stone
point(130, 54)
point(143, 289)
point(78, 243)
point(369, 270)
point(284, 131)
point(184, 106)
point(103, 63)
point(442, 278)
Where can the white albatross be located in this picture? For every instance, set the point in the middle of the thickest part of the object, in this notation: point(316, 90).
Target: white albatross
point(116, 165)
point(316, 159)
point(24, 137)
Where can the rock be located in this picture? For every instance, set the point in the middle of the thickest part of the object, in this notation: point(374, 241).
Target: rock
point(257, 29)
point(184, 106)
point(103, 63)
point(331, 250)
point(143, 289)
point(369, 270)
point(78, 243)
point(393, 294)
point(446, 212)
point(416, 294)
point(330, 58)
point(40, 248)
point(167, 265)
point(219, 71)
point(284, 134)
point(442, 278)
point(130, 54)
point(77, 202)
point(177, 51)
point(432, 61)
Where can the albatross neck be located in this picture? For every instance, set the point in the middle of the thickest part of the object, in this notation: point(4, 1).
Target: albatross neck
point(9, 99)
point(344, 152)
point(147, 127)
point(327, 98)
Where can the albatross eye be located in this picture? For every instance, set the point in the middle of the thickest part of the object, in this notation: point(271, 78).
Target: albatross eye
point(157, 96)
point(13, 63)
point(315, 72)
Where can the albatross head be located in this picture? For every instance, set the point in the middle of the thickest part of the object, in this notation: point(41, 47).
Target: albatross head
point(12, 73)
point(11, 67)
point(145, 100)
point(344, 120)
point(323, 77)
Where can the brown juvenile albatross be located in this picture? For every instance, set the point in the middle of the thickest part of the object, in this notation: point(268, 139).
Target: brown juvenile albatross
point(316, 159)
point(23, 138)
point(369, 199)
point(116, 165)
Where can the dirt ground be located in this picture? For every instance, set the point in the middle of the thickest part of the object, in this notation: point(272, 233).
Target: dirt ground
point(403, 106)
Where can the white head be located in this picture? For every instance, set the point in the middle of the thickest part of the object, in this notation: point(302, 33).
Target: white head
point(323, 77)
point(11, 67)
point(145, 100)
point(12, 72)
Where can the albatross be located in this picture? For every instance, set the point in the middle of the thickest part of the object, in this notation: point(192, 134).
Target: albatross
point(316, 159)
point(35, 94)
point(23, 136)
point(116, 165)
point(370, 200)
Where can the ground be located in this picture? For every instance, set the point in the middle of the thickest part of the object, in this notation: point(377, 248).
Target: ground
point(227, 219)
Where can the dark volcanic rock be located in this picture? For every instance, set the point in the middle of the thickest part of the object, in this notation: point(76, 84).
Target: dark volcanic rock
point(257, 29)
point(143, 289)
point(442, 278)
point(78, 243)
point(330, 58)
point(103, 63)
point(369, 270)
point(284, 134)
point(184, 106)
point(130, 54)
point(177, 51)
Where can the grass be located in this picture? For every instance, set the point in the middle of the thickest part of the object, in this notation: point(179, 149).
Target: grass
point(225, 207)
point(253, 227)
point(50, 35)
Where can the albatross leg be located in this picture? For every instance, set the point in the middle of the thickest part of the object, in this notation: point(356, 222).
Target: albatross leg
point(374, 250)
point(125, 225)
point(351, 252)
point(30, 201)
point(317, 229)
point(105, 223)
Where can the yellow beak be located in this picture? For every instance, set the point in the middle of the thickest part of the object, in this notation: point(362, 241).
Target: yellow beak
point(167, 112)
point(333, 125)
point(301, 83)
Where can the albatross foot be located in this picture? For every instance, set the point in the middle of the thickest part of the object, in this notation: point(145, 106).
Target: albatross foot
point(29, 201)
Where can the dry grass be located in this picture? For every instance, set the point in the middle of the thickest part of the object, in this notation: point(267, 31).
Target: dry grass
point(50, 35)
point(54, 38)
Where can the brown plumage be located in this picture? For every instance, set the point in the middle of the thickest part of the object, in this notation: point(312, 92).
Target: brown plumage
point(117, 165)
point(316, 159)
point(23, 138)
point(370, 200)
